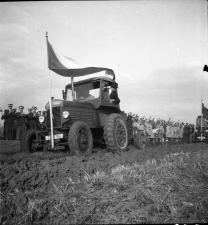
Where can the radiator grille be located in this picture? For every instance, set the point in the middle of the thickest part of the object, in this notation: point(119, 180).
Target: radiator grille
point(56, 117)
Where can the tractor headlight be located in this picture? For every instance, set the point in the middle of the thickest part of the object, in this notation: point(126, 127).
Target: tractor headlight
point(41, 119)
point(65, 114)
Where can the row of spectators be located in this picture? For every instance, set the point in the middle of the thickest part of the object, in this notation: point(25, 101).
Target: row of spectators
point(162, 129)
point(16, 121)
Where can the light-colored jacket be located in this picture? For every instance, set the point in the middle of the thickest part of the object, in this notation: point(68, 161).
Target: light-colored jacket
point(149, 129)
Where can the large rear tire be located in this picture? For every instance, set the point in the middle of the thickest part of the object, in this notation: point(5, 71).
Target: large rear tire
point(29, 138)
point(80, 139)
point(116, 133)
point(140, 140)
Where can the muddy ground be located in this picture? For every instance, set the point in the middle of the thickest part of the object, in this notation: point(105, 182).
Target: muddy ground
point(54, 187)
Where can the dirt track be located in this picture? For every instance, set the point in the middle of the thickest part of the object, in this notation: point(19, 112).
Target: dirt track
point(41, 173)
point(39, 170)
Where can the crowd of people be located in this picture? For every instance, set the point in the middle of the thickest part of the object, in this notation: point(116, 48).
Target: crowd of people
point(161, 129)
point(16, 121)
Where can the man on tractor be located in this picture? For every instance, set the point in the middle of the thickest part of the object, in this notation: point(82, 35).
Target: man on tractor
point(114, 95)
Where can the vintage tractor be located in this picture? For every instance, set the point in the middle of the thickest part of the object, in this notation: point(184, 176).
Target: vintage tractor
point(85, 114)
point(201, 130)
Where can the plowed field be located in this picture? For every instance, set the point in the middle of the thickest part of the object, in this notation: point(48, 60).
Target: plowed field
point(164, 184)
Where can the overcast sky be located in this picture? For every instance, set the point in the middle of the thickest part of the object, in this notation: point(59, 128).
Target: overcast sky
point(156, 48)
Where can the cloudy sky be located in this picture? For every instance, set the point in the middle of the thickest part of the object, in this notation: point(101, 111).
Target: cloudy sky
point(156, 48)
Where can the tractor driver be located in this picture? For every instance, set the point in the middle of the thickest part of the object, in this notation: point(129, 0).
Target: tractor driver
point(114, 95)
point(85, 95)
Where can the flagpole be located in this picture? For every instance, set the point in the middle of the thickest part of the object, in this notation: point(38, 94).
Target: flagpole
point(51, 114)
point(72, 84)
point(201, 122)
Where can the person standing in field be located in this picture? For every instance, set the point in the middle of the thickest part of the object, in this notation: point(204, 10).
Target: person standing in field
point(32, 118)
point(186, 133)
point(168, 130)
point(3, 123)
point(8, 117)
point(181, 127)
point(27, 118)
point(149, 131)
point(20, 118)
point(114, 94)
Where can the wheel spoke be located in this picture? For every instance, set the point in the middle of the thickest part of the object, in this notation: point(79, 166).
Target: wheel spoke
point(82, 140)
point(121, 134)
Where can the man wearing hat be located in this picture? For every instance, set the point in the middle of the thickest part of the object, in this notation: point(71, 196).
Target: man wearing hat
point(4, 122)
point(114, 95)
point(185, 132)
point(39, 113)
point(8, 117)
point(32, 118)
point(153, 123)
point(20, 118)
point(26, 118)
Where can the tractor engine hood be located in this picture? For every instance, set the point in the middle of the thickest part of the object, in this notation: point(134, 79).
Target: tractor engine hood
point(64, 103)
point(55, 103)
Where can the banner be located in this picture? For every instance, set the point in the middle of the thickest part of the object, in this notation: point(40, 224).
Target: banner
point(68, 67)
point(205, 68)
point(204, 110)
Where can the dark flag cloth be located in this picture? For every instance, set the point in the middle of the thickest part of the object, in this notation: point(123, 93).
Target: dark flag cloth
point(204, 110)
point(205, 68)
point(68, 67)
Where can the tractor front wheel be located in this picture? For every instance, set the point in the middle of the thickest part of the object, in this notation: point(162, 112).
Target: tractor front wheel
point(80, 139)
point(28, 141)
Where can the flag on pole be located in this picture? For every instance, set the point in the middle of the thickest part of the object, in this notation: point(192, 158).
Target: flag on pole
point(205, 68)
point(68, 67)
point(204, 110)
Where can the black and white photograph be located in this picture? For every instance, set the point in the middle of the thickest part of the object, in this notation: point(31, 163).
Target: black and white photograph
point(104, 112)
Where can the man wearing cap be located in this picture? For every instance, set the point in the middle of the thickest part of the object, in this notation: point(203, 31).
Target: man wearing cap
point(167, 130)
point(20, 118)
point(8, 117)
point(181, 130)
point(153, 123)
point(26, 118)
point(114, 95)
point(148, 127)
point(3, 123)
point(141, 125)
point(186, 132)
point(32, 118)
point(135, 123)
point(39, 113)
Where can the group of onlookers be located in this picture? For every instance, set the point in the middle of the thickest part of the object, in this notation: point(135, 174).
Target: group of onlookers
point(160, 129)
point(16, 122)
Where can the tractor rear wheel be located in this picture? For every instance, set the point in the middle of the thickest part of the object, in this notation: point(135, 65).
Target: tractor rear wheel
point(80, 139)
point(116, 133)
point(140, 140)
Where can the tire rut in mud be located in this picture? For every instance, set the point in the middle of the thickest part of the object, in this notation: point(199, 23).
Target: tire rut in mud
point(38, 183)
point(41, 170)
